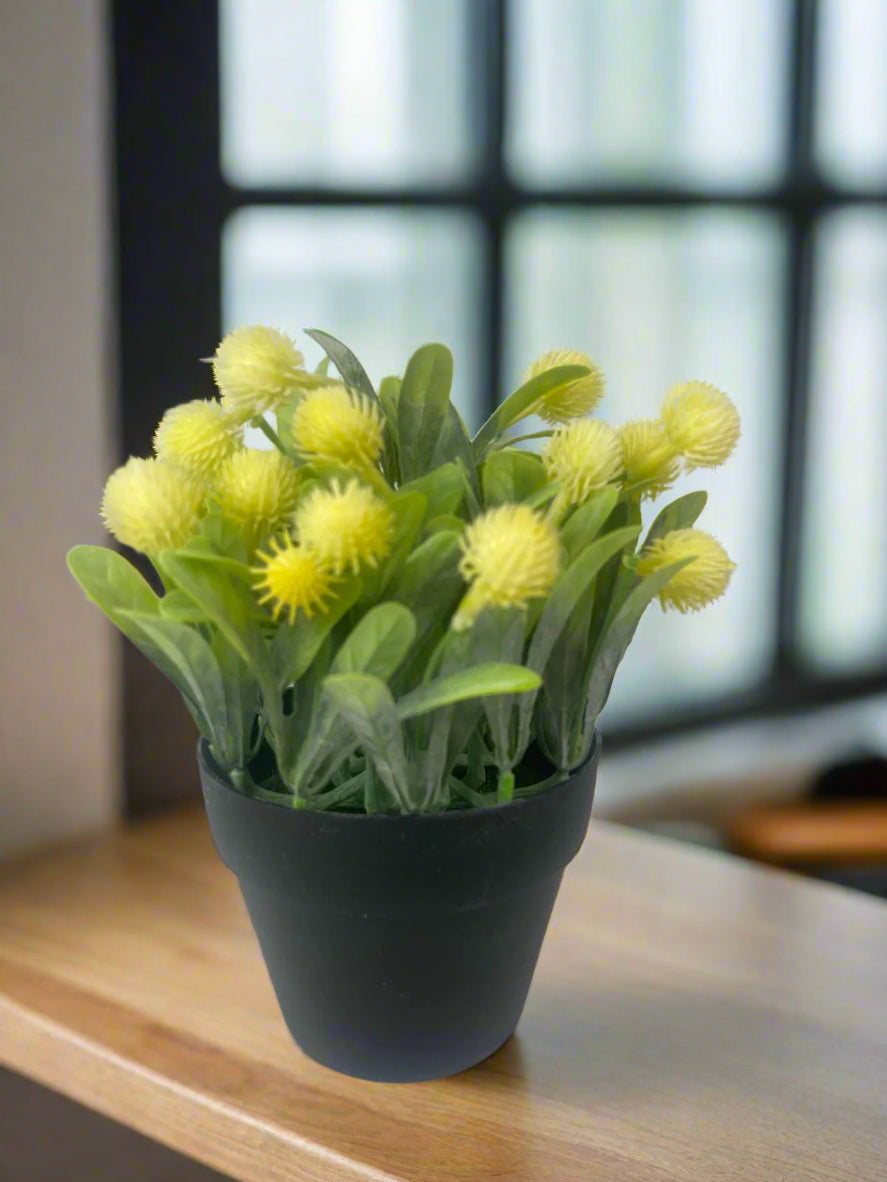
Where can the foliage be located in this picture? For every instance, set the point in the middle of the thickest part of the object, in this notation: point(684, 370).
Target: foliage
point(383, 614)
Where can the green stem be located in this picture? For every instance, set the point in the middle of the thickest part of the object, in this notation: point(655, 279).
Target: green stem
point(370, 788)
point(474, 798)
point(532, 789)
point(505, 791)
point(267, 430)
point(476, 773)
point(338, 795)
point(505, 441)
point(377, 481)
point(557, 508)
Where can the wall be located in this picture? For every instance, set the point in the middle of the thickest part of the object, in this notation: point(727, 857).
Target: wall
point(58, 709)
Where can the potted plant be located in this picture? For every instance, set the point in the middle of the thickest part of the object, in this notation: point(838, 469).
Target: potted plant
point(396, 641)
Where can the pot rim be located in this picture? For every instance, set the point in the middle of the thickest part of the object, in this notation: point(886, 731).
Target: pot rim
point(208, 764)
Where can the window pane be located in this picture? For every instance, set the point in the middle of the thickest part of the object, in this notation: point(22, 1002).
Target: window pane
point(658, 298)
point(382, 281)
point(345, 92)
point(843, 618)
point(852, 90)
point(645, 90)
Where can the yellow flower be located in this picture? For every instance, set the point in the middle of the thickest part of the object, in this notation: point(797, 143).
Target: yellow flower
point(197, 436)
point(583, 456)
point(344, 527)
point(256, 369)
point(338, 426)
point(698, 583)
point(152, 506)
point(573, 399)
point(292, 578)
point(702, 423)
point(510, 555)
point(257, 490)
point(649, 456)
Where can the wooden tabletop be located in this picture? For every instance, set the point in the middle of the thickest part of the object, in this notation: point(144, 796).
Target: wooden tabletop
point(692, 1017)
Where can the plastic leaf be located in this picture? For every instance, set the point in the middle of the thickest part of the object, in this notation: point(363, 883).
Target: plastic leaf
point(520, 404)
point(367, 705)
point(422, 407)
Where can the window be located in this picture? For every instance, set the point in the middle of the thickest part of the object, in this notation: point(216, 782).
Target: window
point(685, 188)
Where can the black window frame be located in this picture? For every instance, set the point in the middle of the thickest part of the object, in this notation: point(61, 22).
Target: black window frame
point(173, 201)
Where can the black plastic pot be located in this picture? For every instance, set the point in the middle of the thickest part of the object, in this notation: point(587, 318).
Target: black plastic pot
point(401, 948)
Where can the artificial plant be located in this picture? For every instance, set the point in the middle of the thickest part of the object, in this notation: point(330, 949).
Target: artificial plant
point(376, 612)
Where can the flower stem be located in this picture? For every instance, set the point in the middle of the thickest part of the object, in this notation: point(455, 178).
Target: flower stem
point(506, 787)
point(265, 427)
point(508, 441)
point(376, 481)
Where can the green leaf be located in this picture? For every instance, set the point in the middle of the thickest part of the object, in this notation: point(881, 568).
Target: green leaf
point(500, 632)
point(422, 407)
point(446, 523)
point(110, 581)
point(378, 643)
point(176, 605)
point(241, 704)
point(114, 585)
point(230, 606)
point(323, 367)
point(569, 589)
point(680, 514)
point(226, 601)
point(409, 510)
point(522, 403)
point(560, 712)
point(429, 581)
point(477, 682)
point(352, 372)
point(389, 396)
point(585, 523)
point(611, 649)
point(296, 644)
point(367, 705)
point(443, 489)
point(197, 672)
point(510, 475)
point(454, 445)
point(572, 586)
point(607, 580)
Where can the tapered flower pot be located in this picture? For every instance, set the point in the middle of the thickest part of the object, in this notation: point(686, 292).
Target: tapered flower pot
point(401, 948)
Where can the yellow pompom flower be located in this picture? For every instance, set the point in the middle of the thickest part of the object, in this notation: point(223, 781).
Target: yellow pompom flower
point(257, 490)
point(702, 423)
point(583, 456)
point(649, 456)
point(573, 399)
point(293, 579)
point(345, 527)
point(510, 555)
point(258, 368)
point(197, 436)
point(152, 506)
point(698, 583)
point(338, 426)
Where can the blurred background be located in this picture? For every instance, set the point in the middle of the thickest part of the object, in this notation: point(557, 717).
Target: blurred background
point(682, 188)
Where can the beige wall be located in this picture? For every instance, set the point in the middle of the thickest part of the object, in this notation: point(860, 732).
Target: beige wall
point(58, 709)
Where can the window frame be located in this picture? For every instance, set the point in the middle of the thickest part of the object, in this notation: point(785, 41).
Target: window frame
point(172, 204)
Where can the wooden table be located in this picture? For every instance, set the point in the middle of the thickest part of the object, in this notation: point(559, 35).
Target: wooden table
point(693, 1017)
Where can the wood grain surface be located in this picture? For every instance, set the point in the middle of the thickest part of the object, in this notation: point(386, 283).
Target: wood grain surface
point(693, 1017)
